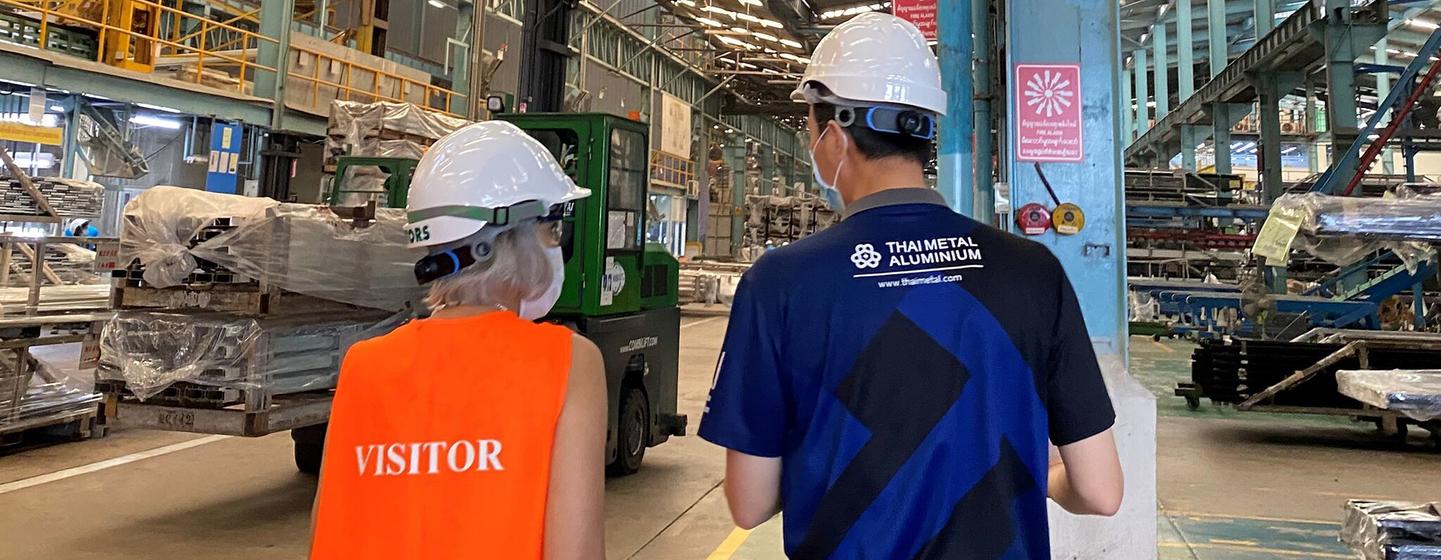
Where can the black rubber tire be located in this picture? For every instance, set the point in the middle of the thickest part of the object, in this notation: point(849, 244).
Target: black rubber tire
point(308, 456)
point(309, 447)
point(632, 432)
point(1193, 403)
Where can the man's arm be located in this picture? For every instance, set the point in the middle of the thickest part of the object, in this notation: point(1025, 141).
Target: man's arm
point(1088, 480)
point(753, 488)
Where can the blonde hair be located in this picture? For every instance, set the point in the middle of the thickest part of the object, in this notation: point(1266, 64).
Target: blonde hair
point(517, 270)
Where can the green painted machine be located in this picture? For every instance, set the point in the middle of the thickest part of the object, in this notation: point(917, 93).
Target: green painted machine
point(620, 292)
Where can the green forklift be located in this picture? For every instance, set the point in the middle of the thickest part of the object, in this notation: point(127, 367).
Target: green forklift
point(620, 292)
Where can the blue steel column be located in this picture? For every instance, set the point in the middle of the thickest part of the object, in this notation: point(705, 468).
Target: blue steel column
point(1128, 115)
point(72, 140)
point(1313, 151)
point(1270, 148)
point(1070, 32)
point(1216, 34)
point(1087, 33)
point(275, 18)
point(1265, 17)
point(1163, 70)
point(1189, 139)
point(1143, 95)
point(1341, 117)
point(1185, 52)
point(1383, 89)
point(1221, 123)
point(985, 202)
point(954, 155)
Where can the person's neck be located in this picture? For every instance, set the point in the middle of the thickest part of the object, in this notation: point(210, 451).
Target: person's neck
point(459, 311)
point(870, 177)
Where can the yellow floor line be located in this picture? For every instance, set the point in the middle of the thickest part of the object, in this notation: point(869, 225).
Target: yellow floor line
point(1162, 346)
point(1216, 546)
point(729, 546)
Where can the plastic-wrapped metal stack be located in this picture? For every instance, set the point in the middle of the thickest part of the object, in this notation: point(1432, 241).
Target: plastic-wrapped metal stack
point(345, 282)
point(221, 356)
point(1413, 392)
point(71, 198)
point(37, 393)
point(1393, 530)
point(1342, 229)
point(398, 130)
point(176, 236)
point(772, 221)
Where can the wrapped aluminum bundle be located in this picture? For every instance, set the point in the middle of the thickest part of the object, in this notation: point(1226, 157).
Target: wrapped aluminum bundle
point(296, 247)
point(1393, 530)
point(1413, 392)
point(1342, 229)
point(229, 353)
point(44, 391)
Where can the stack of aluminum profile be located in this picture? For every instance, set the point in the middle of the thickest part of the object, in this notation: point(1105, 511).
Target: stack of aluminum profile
point(69, 197)
point(1393, 530)
point(218, 358)
point(72, 263)
point(29, 399)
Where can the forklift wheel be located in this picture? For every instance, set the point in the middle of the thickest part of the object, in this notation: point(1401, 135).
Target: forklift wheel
point(1193, 403)
point(309, 447)
point(307, 456)
point(632, 432)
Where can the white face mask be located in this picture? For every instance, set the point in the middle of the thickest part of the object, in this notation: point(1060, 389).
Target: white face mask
point(533, 309)
point(832, 194)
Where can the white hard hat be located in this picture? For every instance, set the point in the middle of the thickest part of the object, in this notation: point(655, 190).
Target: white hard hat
point(875, 58)
point(487, 173)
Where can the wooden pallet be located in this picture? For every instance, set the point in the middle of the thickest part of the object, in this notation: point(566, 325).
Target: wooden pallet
point(245, 299)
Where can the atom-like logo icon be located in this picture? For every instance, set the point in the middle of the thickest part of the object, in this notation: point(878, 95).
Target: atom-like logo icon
point(866, 256)
point(1047, 92)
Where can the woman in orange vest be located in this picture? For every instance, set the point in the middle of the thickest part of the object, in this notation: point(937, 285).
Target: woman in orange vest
point(475, 433)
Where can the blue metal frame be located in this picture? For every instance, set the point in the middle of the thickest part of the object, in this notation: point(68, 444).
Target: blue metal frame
point(1329, 179)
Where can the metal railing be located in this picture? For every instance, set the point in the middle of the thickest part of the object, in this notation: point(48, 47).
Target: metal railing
point(194, 41)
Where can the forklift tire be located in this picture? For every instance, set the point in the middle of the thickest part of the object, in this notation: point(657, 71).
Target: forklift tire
point(1193, 403)
point(309, 447)
point(632, 432)
point(308, 455)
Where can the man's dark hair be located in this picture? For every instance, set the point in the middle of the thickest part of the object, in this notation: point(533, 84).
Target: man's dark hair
point(877, 145)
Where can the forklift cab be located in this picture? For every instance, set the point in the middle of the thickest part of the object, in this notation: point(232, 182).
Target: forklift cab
point(619, 292)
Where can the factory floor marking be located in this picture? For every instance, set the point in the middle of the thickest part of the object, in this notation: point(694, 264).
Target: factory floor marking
point(1162, 346)
point(700, 322)
point(729, 546)
point(108, 463)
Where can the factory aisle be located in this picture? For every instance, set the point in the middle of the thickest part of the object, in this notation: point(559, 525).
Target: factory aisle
point(230, 498)
point(1231, 486)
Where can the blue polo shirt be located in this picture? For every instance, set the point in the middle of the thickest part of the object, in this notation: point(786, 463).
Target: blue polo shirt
point(909, 365)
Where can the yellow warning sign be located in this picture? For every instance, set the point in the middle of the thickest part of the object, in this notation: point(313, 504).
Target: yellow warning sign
point(29, 133)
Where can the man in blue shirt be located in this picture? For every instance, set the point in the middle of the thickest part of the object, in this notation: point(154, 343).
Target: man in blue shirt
point(895, 382)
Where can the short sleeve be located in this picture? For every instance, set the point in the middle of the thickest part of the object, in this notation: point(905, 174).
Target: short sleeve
point(747, 409)
point(1077, 402)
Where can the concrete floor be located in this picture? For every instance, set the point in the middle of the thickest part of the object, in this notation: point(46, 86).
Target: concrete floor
point(1231, 486)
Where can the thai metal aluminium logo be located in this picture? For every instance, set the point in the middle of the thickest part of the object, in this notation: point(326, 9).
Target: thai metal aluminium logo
point(866, 256)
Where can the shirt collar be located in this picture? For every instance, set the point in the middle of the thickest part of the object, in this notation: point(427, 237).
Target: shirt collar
point(894, 197)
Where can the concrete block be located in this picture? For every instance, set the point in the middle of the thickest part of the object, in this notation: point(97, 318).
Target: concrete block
point(1131, 534)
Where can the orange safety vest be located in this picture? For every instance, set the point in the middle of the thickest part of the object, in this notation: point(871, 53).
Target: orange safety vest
point(440, 438)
